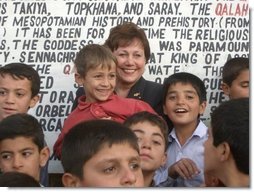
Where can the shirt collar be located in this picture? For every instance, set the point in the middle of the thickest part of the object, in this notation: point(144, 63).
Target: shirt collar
point(82, 104)
point(200, 131)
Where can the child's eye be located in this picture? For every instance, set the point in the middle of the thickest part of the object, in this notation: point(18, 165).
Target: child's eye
point(139, 139)
point(97, 76)
point(171, 97)
point(157, 142)
point(112, 76)
point(2, 92)
point(109, 170)
point(6, 156)
point(138, 136)
point(135, 166)
point(189, 97)
point(26, 153)
point(245, 85)
point(20, 94)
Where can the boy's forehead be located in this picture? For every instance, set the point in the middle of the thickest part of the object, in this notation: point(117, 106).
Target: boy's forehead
point(244, 74)
point(10, 75)
point(13, 77)
point(19, 142)
point(182, 84)
point(120, 154)
point(146, 126)
point(8, 81)
point(107, 146)
point(104, 66)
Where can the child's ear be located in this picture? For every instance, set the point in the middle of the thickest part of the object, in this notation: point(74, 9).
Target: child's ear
point(70, 180)
point(44, 156)
point(202, 107)
point(224, 151)
point(225, 88)
point(79, 79)
point(34, 100)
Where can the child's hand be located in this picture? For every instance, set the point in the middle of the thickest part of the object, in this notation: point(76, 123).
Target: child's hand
point(185, 168)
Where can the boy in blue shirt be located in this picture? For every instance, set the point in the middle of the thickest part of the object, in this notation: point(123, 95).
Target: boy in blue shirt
point(184, 100)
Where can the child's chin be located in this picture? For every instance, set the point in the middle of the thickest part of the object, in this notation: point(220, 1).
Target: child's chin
point(102, 99)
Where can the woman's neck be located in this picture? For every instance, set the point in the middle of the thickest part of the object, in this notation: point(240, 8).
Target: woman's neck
point(123, 89)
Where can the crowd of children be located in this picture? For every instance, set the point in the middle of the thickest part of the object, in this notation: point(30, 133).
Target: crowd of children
point(112, 139)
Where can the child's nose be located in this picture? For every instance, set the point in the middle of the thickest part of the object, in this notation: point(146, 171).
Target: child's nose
point(10, 98)
point(128, 177)
point(146, 144)
point(180, 100)
point(17, 162)
point(106, 81)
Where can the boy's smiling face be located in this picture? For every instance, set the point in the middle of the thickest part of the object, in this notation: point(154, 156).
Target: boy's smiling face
point(182, 104)
point(15, 96)
point(99, 83)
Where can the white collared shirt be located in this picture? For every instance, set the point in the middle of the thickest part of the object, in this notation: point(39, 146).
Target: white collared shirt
point(192, 149)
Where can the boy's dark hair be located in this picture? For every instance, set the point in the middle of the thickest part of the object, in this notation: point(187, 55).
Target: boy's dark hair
point(154, 119)
point(233, 68)
point(85, 139)
point(17, 179)
point(230, 123)
point(92, 56)
point(22, 125)
point(122, 35)
point(22, 71)
point(185, 78)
